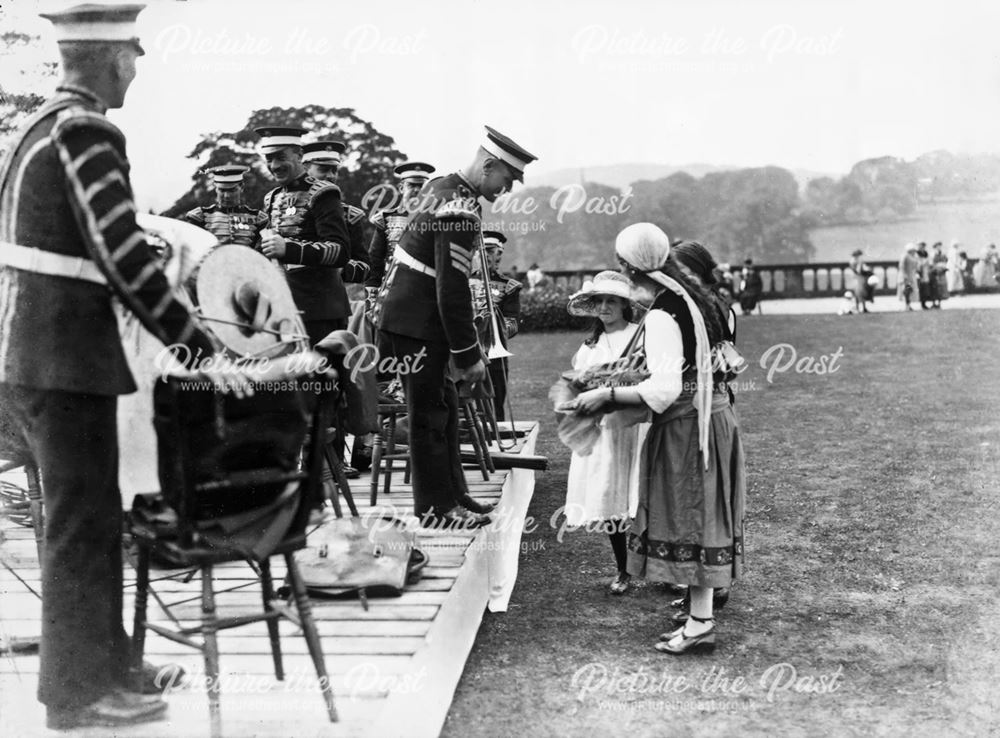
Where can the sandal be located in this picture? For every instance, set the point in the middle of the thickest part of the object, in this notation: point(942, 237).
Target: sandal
point(621, 583)
point(701, 642)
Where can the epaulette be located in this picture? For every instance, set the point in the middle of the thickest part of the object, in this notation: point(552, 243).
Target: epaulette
point(319, 187)
point(208, 208)
point(195, 212)
point(458, 208)
point(78, 117)
point(248, 209)
point(513, 285)
point(353, 214)
point(378, 219)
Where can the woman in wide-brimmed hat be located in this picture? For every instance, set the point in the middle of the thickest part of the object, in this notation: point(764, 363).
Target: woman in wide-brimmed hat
point(599, 487)
point(688, 526)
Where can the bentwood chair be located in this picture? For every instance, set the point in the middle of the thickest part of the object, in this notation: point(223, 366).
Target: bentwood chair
point(233, 490)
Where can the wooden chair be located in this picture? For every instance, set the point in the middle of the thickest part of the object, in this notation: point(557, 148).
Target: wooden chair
point(388, 414)
point(186, 545)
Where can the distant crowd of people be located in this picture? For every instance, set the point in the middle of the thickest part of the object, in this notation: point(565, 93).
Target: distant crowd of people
point(927, 276)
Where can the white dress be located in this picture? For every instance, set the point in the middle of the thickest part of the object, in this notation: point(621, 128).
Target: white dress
point(604, 485)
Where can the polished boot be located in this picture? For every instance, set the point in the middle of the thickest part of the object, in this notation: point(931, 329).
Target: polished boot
point(470, 504)
point(117, 709)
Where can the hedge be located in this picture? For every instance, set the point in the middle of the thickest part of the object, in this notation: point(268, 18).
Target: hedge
point(544, 309)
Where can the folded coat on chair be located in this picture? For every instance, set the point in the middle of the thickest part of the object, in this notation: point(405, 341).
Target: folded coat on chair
point(356, 362)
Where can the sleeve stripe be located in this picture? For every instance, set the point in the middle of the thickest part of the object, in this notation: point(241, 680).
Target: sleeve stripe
point(96, 150)
point(163, 305)
point(112, 177)
point(125, 206)
point(330, 253)
point(100, 248)
point(462, 351)
point(127, 245)
point(147, 271)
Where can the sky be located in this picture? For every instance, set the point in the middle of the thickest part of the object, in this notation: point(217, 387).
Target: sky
point(812, 85)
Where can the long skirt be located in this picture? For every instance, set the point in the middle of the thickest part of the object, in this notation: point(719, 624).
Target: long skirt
point(688, 527)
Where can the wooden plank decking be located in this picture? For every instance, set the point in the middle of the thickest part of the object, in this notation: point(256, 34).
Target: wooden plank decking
point(393, 668)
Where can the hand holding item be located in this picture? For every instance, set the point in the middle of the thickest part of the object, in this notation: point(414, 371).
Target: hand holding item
point(472, 374)
point(592, 401)
point(272, 245)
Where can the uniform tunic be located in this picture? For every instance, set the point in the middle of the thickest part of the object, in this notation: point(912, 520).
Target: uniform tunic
point(389, 227)
point(64, 189)
point(240, 224)
point(307, 213)
point(427, 312)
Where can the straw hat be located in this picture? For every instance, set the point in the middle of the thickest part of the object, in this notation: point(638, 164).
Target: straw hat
point(245, 300)
point(608, 283)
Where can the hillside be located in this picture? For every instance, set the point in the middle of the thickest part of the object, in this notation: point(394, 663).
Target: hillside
point(974, 224)
point(622, 175)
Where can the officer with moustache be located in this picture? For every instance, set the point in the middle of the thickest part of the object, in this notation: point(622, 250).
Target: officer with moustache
point(506, 295)
point(424, 311)
point(322, 160)
point(228, 218)
point(305, 232)
point(389, 224)
point(69, 245)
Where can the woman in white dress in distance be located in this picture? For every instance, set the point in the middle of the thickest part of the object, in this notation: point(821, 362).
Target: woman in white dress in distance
point(601, 487)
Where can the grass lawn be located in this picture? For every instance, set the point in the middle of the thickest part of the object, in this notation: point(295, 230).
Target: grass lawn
point(871, 562)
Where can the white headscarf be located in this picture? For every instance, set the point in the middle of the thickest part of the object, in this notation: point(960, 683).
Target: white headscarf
point(645, 247)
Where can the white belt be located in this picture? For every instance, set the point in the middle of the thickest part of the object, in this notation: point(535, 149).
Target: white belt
point(413, 263)
point(29, 259)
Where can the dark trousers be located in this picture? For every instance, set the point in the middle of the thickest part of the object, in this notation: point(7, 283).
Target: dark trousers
point(432, 410)
point(73, 440)
point(317, 330)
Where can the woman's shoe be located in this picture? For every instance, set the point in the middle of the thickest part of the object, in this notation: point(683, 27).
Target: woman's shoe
point(720, 597)
point(701, 642)
point(620, 585)
point(671, 634)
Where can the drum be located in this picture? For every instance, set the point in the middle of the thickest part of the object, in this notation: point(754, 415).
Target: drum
point(181, 247)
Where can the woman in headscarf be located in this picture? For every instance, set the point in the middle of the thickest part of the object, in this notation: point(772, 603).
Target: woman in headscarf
point(688, 527)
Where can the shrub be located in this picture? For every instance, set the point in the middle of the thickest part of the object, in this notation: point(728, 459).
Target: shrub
point(544, 309)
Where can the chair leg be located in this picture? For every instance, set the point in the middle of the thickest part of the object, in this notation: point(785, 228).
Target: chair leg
point(310, 633)
point(139, 616)
point(470, 422)
point(331, 464)
point(390, 445)
point(376, 465)
point(36, 509)
point(341, 484)
point(211, 648)
point(267, 591)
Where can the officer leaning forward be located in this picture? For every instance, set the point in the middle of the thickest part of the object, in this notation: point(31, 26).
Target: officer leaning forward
point(305, 232)
point(228, 218)
point(69, 243)
point(389, 224)
point(322, 160)
point(424, 309)
point(506, 297)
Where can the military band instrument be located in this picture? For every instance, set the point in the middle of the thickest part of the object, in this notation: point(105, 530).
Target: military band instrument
point(496, 348)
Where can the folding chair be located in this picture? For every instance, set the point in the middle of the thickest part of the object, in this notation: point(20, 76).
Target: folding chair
point(194, 488)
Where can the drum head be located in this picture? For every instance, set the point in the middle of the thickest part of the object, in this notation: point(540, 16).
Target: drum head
point(246, 302)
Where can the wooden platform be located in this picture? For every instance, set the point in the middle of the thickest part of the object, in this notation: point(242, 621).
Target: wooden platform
point(394, 667)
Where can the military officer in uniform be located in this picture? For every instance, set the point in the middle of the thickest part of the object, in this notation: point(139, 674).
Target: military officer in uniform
point(69, 244)
point(389, 224)
point(228, 218)
point(424, 311)
point(506, 297)
point(322, 160)
point(306, 232)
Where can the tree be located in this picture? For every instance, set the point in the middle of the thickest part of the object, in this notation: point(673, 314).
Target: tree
point(370, 158)
point(17, 105)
